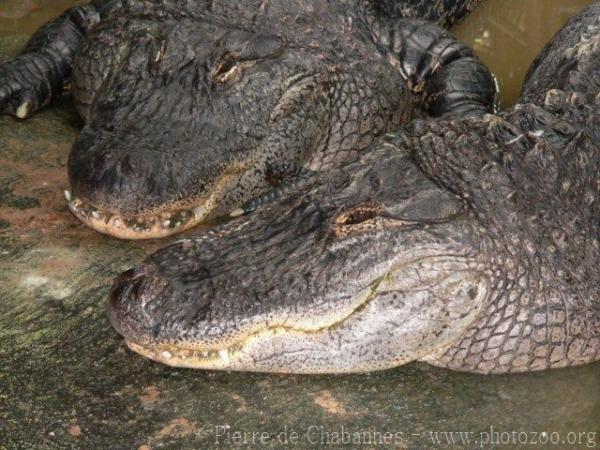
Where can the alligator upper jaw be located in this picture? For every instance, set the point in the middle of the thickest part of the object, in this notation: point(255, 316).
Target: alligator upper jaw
point(135, 227)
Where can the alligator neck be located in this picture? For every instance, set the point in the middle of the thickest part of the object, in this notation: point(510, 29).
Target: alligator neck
point(530, 180)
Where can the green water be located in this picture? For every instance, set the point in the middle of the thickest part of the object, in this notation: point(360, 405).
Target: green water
point(68, 381)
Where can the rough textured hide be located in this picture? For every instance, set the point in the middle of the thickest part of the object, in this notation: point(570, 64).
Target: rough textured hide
point(187, 104)
point(68, 381)
point(468, 242)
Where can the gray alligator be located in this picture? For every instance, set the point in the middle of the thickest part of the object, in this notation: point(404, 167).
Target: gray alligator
point(469, 243)
point(192, 108)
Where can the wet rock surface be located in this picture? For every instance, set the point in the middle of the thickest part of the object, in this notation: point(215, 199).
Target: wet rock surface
point(67, 379)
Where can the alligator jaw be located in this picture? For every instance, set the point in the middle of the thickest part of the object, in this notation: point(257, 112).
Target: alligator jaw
point(135, 227)
point(236, 354)
point(181, 357)
point(377, 332)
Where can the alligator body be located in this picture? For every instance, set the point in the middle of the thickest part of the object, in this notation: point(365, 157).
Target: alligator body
point(192, 108)
point(470, 243)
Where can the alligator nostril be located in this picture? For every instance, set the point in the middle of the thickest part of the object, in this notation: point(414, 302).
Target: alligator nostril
point(128, 287)
point(133, 273)
point(101, 161)
point(117, 293)
point(126, 297)
point(127, 167)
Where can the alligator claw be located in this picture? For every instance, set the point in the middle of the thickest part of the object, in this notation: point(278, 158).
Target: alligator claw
point(27, 105)
point(21, 92)
point(40, 73)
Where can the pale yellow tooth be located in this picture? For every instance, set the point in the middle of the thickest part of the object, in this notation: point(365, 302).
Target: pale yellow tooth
point(167, 354)
point(199, 212)
point(205, 354)
point(236, 212)
point(68, 196)
point(96, 215)
point(165, 223)
point(117, 222)
point(23, 110)
point(224, 355)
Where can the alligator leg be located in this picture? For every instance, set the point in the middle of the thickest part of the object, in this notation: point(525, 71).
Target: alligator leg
point(451, 79)
point(42, 71)
point(285, 177)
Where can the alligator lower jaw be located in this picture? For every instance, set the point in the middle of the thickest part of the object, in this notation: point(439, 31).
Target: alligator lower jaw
point(181, 357)
point(135, 227)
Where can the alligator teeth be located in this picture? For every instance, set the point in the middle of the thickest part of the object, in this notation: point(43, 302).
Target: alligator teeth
point(224, 355)
point(23, 110)
point(236, 212)
point(536, 133)
point(167, 354)
point(169, 222)
point(199, 212)
point(117, 222)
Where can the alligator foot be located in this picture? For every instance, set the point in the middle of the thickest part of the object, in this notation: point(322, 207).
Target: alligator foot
point(448, 75)
point(42, 71)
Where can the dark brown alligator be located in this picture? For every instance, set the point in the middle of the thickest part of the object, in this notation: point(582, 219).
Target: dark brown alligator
point(470, 243)
point(192, 108)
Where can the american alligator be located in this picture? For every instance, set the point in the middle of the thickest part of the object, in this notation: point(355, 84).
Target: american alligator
point(471, 243)
point(192, 108)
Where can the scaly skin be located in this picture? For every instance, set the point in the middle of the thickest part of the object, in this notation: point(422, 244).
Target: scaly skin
point(189, 105)
point(470, 243)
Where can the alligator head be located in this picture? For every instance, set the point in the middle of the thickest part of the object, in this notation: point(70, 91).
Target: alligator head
point(184, 116)
point(188, 107)
point(374, 268)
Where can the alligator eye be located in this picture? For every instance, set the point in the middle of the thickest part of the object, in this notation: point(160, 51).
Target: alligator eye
point(358, 215)
point(362, 218)
point(355, 220)
point(226, 69)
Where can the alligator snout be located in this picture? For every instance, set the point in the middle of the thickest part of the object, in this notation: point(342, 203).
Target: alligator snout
point(150, 306)
point(129, 307)
point(135, 190)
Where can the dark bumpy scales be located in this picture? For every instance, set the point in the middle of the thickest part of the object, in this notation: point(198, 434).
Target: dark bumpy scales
point(187, 104)
point(470, 243)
